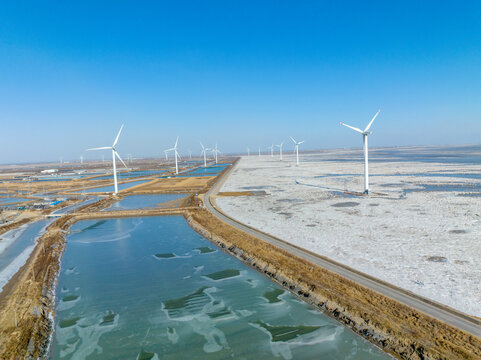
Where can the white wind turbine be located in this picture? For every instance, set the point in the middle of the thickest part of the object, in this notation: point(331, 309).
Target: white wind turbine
point(215, 151)
point(280, 148)
point(272, 150)
point(259, 151)
point(296, 144)
point(248, 152)
point(203, 152)
point(365, 133)
point(176, 155)
point(114, 154)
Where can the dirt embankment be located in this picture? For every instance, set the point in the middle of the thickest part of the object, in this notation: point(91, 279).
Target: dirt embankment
point(396, 328)
point(28, 299)
point(15, 224)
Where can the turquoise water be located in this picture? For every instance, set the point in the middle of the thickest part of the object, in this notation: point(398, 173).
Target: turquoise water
point(110, 188)
point(207, 171)
point(152, 288)
point(134, 202)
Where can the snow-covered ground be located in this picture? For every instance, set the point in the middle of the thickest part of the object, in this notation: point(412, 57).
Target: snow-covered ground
point(427, 241)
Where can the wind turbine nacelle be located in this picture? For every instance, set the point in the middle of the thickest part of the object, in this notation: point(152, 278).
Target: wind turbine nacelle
point(367, 133)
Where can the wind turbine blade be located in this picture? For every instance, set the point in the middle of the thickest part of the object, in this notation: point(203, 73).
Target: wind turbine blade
point(100, 148)
point(369, 125)
point(118, 156)
point(169, 149)
point(352, 127)
point(301, 142)
point(176, 141)
point(118, 135)
point(201, 145)
point(294, 141)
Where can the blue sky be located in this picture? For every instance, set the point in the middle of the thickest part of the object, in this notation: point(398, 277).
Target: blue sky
point(240, 73)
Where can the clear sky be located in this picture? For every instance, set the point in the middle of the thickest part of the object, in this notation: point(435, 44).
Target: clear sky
point(242, 73)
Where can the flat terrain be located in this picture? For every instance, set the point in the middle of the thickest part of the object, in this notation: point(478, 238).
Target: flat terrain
point(418, 229)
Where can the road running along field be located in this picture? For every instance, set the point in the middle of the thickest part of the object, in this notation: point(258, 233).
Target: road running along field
point(406, 233)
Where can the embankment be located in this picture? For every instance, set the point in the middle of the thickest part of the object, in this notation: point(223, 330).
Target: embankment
point(396, 328)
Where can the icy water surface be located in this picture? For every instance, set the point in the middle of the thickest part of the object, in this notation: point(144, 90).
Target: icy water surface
point(152, 288)
point(134, 202)
point(16, 246)
point(469, 154)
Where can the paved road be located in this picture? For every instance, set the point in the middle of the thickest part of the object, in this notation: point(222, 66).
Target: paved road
point(429, 307)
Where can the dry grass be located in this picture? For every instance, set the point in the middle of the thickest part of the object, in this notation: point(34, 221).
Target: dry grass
point(187, 184)
point(236, 193)
point(398, 329)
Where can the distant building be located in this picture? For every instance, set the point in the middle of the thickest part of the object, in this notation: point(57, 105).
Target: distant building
point(49, 171)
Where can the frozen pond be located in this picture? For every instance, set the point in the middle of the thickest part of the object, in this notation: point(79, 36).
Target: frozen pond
point(152, 288)
point(110, 188)
point(134, 202)
point(16, 246)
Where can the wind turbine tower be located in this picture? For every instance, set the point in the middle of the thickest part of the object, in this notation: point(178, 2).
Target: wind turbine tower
point(248, 152)
point(296, 144)
point(114, 154)
point(215, 151)
point(280, 148)
point(176, 155)
point(203, 152)
point(365, 134)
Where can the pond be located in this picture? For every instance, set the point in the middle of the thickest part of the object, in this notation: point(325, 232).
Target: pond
point(152, 288)
point(134, 202)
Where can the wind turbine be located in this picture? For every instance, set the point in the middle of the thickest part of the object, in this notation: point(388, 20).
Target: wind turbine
point(216, 151)
point(248, 152)
point(365, 133)
point(296, 144)
point(166, 155)
point(81, 159)
point(176, 155)
point(259, 151)
point(203, 152)
point(114, 154)
point(272, 150)
point(190, 154)
point(280, 148)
